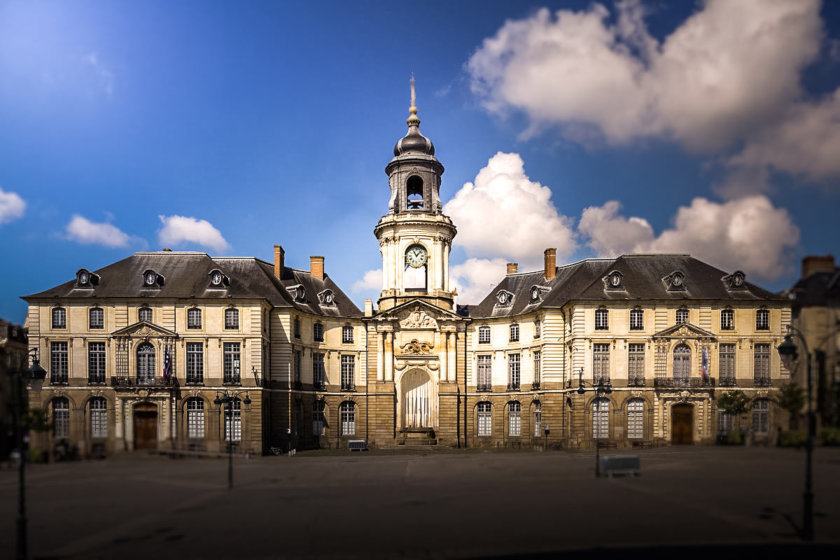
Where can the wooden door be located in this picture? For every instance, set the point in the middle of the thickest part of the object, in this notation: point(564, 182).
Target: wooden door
point(682, 424)
point(145, 426)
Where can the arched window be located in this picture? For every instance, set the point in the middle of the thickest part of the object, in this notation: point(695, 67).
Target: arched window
point(318, 418)
point(96, 318)
point(414, 193)
point(600, 418)
point(145, 364)
point(485, 422)
point(682, 364)
point(98, 417)
point(514, 419)
point(144, 314)
point(537, 419)
point(233, 421)
point(348, 418)
point(514, 332)
point(761, 416)
point(636, 419)
point(59, 318)
point(61, 417)
point(682, 315)
point(195, 418)
point(231, 318)
point(484, 335)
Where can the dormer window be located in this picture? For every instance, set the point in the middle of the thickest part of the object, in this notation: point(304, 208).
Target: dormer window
point(218, 279)
point(537, 293)
point(504, 297)
point(735, 281)
point(675, 281)
point(152, 279)
point(614, 280)
point(298, 292)
point(86, 279)
point(327, 297)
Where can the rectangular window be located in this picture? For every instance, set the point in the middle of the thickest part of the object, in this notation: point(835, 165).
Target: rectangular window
point(761, 369)
point(637, 319)
point(347, 335)
point(537, 419)
point(348, 419)
point(537, 366)
point(296, 366)
point(600, 363)
point(762, 320)
point(61, 417)
point(348, 372)
point(727, 319)
point(601, 418)
point(318, 332)
point(636, 365)
point(513, 372)
point(726, 422)
point(318, 373)
point(231, 362)
point(514, 333)
point(485, 426)
point(485, 373)
point(514, 419)
point(59, 318)
point(761, 416)
point(195, 362)
point(297, 327)
point(484, 335)
point(193, 318)
point(98, 418)
point(636, 419)
point(601, 320)
point(195, 418)
point(144, 314)
point(231, 319)
point(233, 421)
point(726, 360)
point(682, 316)
point(537, 329)
point(318, 419)
point(96, 318)
point(96, 362)
point(58, 363)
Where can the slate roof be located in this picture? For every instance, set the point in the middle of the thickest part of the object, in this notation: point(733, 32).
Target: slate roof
point(817, 290)
point(643, 278)
point(187, 276)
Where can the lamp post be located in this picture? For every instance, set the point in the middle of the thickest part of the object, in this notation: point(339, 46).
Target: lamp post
point(600, 389)
point(228, 398)
point(34, 375)
point(788, 352)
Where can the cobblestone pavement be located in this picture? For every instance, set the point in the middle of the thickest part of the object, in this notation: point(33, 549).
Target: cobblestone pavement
point(419, 504)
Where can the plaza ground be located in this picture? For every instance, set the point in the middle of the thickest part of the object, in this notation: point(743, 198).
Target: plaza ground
point(424, 504)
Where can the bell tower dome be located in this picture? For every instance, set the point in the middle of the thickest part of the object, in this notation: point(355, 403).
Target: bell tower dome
point(415, 236)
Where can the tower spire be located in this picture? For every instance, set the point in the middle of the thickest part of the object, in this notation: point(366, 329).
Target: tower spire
point(413, 119)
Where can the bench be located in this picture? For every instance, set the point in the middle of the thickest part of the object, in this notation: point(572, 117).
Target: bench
point(626, 465)
point(357, 445)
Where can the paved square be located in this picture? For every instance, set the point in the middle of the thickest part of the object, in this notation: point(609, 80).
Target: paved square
point(435, 504)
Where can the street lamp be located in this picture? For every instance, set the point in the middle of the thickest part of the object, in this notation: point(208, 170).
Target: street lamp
point(788, 352)
point(600, 389)
point(228, 398)
point(34, 376)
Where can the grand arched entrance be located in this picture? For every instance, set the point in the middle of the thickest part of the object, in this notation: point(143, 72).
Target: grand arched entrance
point(145, 426)
point(682, 424)
point(417, 394)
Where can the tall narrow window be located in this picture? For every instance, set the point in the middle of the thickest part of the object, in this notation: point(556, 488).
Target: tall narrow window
point(636, 365)
point(347, 334)
point(96, 362)
point(231, 319)
point(296, 366)
point(762, 320)
point(58, 363)
point(348, 372)
point(485, 373)
point(61, 417)
point(145, 364)
point(513, 372)
point(514, 419)
point(600, 418)
point(682, 365)
point(537, 419)
point(59, 318)
point(414, 193)
point(726, 361)
point(537, 329)
point(193, 318)
point(195, 418)
point(514, 333)
point(726, 422)
point(485, 424)
point(318, 418)
point(233, 421)
point(727, 319)
point(761, 416)
point(144, 314)
point(600, 363)
point(98, 418)
point(96, 318)
point(297, 327)
point(682, 315)
point(318, 332)
point(318, 373)
point(637, 319)
point(761, 366)
point(537, 368)
point(348, 418)
point(601, 320)
point(636, 419)
point(231, 362)
point(484, 335)
point(195, 362)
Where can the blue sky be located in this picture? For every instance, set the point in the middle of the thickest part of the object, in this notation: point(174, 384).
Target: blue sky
point(710, 128)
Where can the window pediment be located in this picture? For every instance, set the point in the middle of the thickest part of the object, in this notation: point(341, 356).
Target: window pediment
point(675, 281)
point(735, 281)
point(152, 279)
point(298, 293)
point(504, 298)
point(218, 279)
point(86, 279)
point(326, 297)
point(614, 280)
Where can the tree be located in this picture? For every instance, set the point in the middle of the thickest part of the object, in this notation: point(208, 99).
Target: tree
point(735, 403)
point(791, 398)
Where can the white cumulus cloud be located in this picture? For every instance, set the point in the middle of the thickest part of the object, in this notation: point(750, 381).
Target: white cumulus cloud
point(722, 74)
point(12, 206)
point(748, 234)
point(182, 229)
point(504, 214)
point(84, 231)
point(476, 277)
point(372, 280)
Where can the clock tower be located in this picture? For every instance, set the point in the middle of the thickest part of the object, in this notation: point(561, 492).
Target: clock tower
point(414, 236)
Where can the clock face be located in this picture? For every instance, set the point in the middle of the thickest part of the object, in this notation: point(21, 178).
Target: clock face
point(216, 278)
point(678, 280)
point(415, 256)
point(84, 278)
point(615, 279)
point(738, 280)
point(150, 278)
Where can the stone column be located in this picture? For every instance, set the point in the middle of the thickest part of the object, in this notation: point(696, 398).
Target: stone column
point(444, 356)
point(451, 347)
point(380, 356)
point(389, 356)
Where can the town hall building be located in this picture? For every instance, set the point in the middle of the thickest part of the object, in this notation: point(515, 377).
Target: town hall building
point(181, 350)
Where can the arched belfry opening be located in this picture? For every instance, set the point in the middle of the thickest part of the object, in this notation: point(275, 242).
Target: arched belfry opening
point(414, 193)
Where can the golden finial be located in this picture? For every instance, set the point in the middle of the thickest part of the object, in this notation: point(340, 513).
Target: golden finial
point(413, 119)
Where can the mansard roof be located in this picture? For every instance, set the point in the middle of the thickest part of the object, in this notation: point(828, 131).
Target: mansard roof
point(186, 276)
point(643, 277)
point(822, 288)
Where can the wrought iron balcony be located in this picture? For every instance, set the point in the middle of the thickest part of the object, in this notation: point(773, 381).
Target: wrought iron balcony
point(231, 380)
point(636, 381)
point(320, 385)
point(348, 386)
point(296, 384)
point(58, 379)
point(727, 382)
point(679, 382)
point(484, 387)
point(513, 386)
point(761, 381)
point(132, 381)
point(601, 379)
point(96, 380)
point(535, 386)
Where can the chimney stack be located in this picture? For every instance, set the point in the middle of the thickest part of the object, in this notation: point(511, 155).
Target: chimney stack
point(814, 263)
point(550, 264)
point(316, 267)
point(368, 308)
point(512, 268)
point(279, 261)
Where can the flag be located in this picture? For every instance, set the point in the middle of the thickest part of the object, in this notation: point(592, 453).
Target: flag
point(167, 365)
point(704, 364)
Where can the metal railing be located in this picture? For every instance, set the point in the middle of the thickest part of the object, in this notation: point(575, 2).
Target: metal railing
point(761, 381)
point(484, 387)
point(636, 381)
point(727, 382)
point(678, 382)
point(133, 381)
point(513, 386)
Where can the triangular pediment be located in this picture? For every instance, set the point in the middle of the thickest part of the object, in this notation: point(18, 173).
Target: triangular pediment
point(417, 313)
point(684, 330)
point(144, 329)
